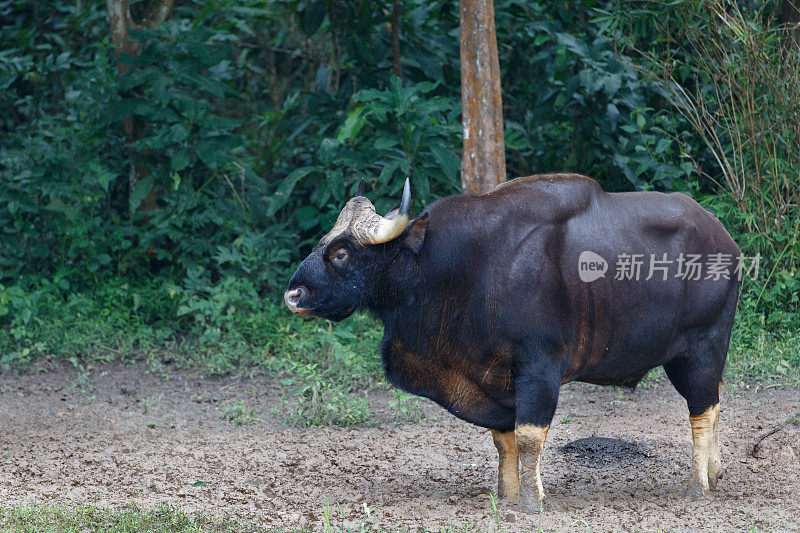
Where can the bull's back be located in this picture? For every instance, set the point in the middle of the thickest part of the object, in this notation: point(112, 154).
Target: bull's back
point(534, 231)
point(638, 315)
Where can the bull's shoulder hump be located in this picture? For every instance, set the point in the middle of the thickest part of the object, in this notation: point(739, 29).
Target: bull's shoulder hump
point(548, 182)
point(551, 197)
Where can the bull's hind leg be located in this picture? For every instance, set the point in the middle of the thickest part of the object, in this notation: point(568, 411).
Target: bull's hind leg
point(508, 471)
point(715, 455)
point(701, 387)
point(706, 465)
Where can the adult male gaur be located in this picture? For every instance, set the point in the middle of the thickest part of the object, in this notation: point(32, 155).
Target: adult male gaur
point(491, 302)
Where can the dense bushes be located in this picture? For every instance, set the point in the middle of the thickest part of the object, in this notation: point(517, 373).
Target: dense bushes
point(251, 122)
point(736, 83)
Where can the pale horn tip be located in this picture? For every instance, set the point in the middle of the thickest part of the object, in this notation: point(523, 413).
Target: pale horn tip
point(405, 203)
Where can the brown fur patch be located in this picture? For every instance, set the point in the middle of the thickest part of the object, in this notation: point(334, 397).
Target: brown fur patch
point(591, 337)
point(468, 389)
point(498, 373)
point(460, 391)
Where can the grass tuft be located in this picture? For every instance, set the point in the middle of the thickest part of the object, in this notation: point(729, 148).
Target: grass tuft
point(162, 518)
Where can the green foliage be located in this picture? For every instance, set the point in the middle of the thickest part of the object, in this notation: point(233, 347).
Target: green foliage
point(162, 518)
point(125, 322)
point(72, 217)
point(386, 135)
point(762, 353)
point(239, 415)
point(575, 103)
point(250, 123)
point(728, 71)
point(112, 322)
point(408, 407)
point(319, 401)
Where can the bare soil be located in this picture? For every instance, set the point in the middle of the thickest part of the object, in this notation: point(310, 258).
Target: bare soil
point(615, 459)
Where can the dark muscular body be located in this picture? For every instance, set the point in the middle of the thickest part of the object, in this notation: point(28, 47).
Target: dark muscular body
point(485, 313)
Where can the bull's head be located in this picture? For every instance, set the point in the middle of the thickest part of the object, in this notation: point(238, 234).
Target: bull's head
point(340, 274)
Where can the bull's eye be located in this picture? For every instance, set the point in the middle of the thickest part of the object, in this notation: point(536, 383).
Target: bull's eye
point(340, 256)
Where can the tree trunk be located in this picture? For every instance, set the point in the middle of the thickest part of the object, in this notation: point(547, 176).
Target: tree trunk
point(397, 68)
point(119, 16)
point(483, 163)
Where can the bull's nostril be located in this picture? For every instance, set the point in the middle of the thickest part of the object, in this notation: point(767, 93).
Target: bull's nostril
point(295, 294)
point(293, 297)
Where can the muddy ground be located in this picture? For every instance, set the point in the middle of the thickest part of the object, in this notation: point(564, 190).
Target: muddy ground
point(118, 434)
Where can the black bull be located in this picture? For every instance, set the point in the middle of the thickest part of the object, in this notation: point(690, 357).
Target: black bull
point(485, 310)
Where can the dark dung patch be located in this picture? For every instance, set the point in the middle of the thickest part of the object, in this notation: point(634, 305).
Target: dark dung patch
point(600, 451)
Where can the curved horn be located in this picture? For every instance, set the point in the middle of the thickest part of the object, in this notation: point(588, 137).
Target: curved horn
point(377, 229)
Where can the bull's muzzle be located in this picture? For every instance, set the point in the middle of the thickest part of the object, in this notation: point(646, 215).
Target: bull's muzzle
point(293, 297)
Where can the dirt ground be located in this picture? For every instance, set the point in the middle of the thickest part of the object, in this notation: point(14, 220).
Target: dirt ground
point(615, 460)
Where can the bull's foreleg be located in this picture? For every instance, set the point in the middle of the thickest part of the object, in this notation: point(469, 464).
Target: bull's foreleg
point(706, 462)
point(537, 397)
point(508, 470)
point(530, 443)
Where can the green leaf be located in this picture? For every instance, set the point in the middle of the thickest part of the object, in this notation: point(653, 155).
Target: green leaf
point(573, 44)
point(214, 151)
point(307, 217)
point(281, 195)
point(448, 161)
point(140, 192)
point(214, 88)
point(387, 172)
point(122, 109)
point(141, 76)
point(662, 145)
point(352, 125)
point(386, 142)
point(102, 176)
point(612, 83)
point(181, 159)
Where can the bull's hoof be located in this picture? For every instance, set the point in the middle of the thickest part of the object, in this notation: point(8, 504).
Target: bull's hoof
point(530, 504)
point(715, 472)
point(696, 490)
point(713, 480)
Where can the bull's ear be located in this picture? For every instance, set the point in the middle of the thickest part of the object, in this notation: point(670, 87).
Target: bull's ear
point(414, 234)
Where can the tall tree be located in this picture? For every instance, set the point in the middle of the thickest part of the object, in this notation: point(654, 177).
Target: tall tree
point(483, 163)
point(397, 68)
point(119, 16)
